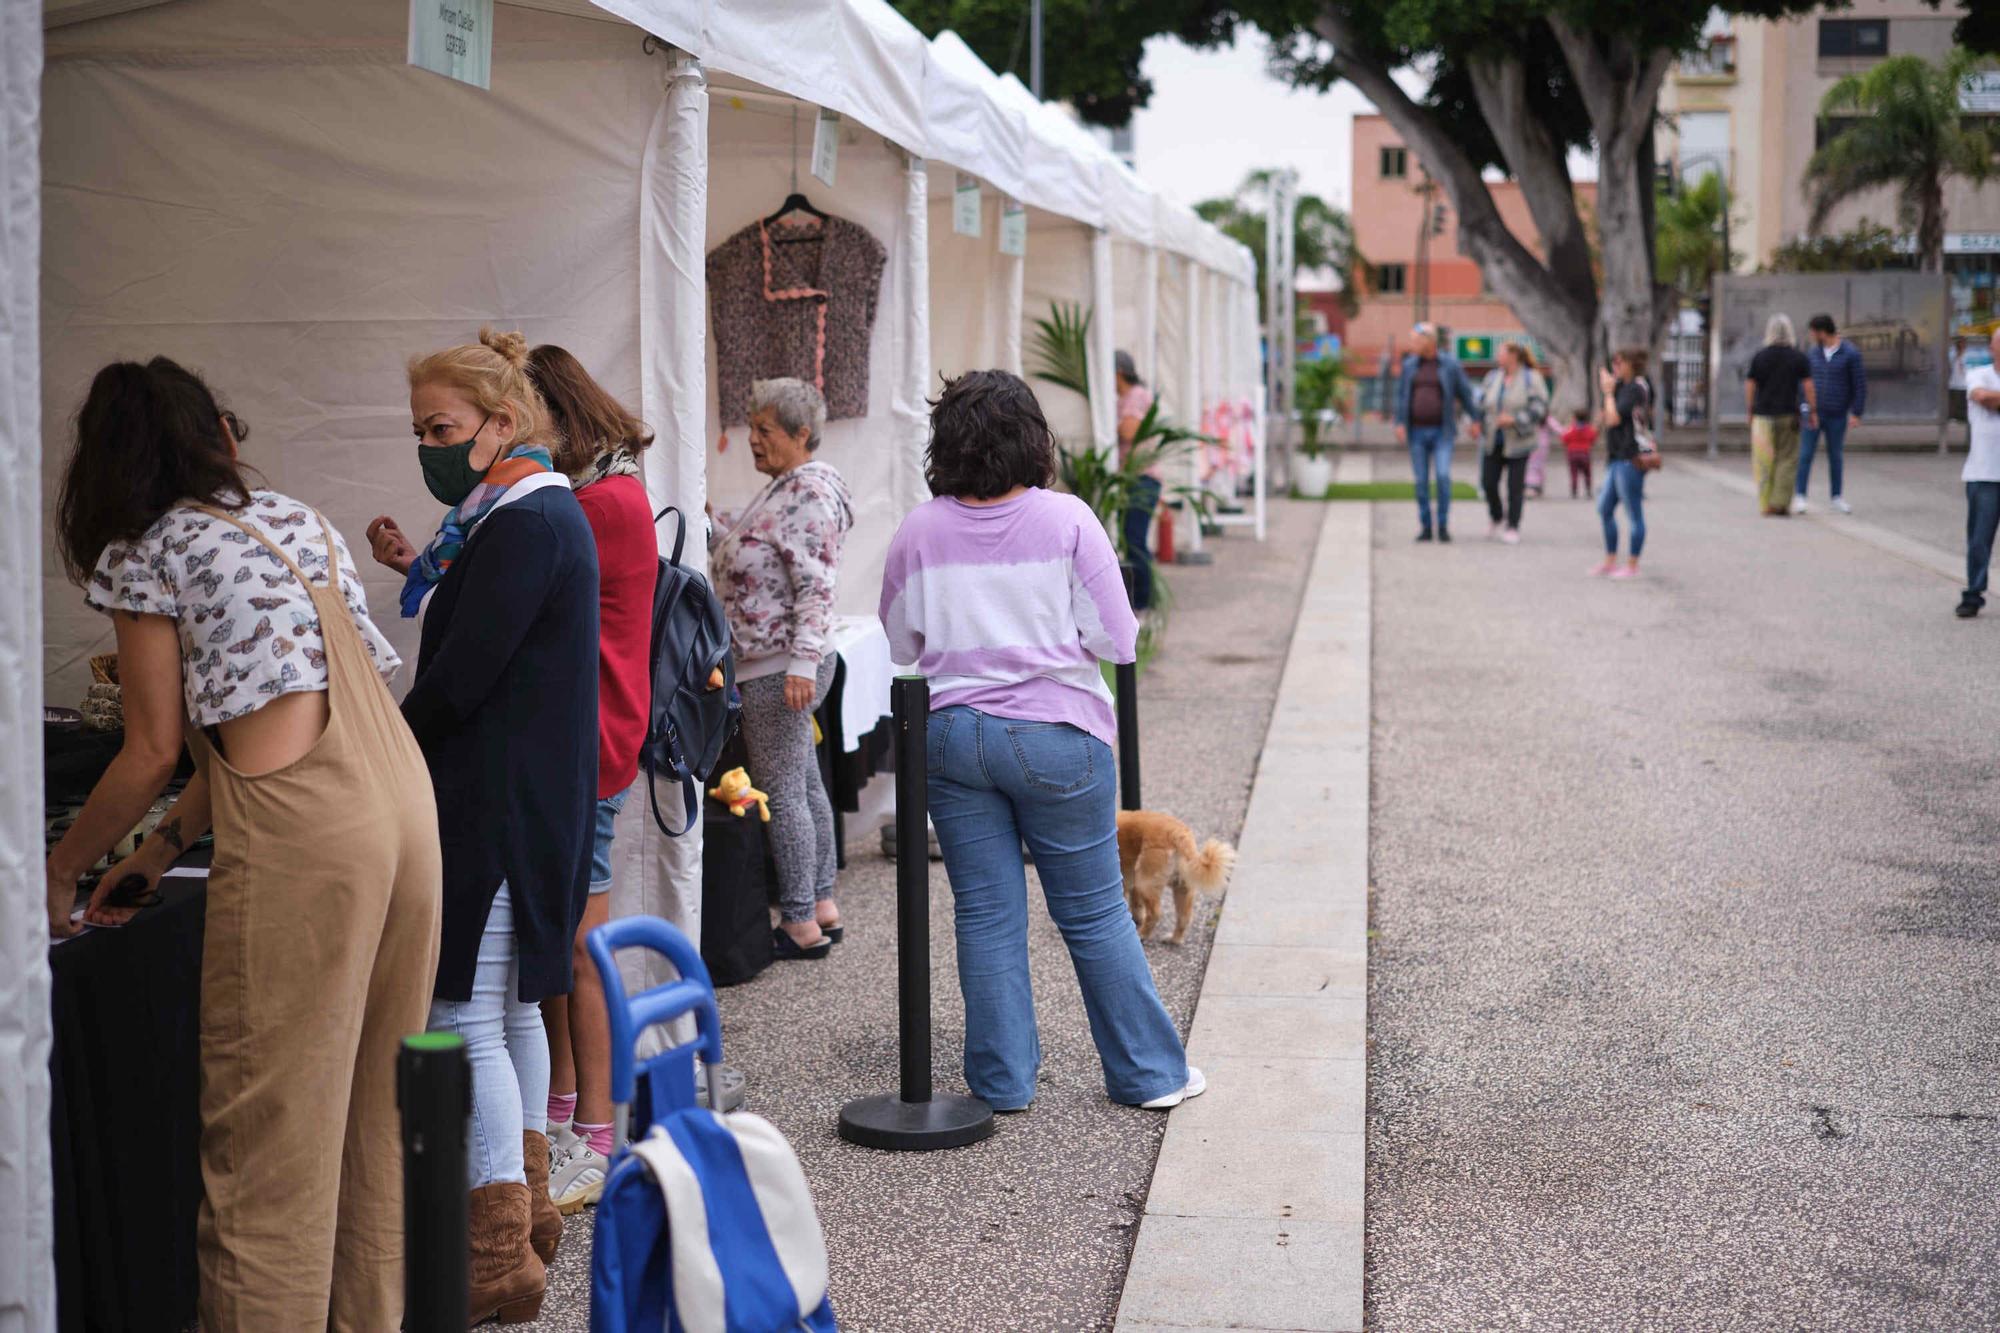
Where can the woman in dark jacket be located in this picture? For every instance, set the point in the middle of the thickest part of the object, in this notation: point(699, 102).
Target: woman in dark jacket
point(505, 708)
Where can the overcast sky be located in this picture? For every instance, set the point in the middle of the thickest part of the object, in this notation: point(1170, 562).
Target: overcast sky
point(1216, 115)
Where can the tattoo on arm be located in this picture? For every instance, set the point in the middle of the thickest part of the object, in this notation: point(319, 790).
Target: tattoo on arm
point(170, 833)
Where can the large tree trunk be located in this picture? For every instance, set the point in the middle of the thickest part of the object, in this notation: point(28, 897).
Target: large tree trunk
point(1559, 314)
point(1930, 226)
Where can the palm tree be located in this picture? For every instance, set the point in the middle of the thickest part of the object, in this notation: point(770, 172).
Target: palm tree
point(1688, 234)
point(1905, 131)
point(1325, 233)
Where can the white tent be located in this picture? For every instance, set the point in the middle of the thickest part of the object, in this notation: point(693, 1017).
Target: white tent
point(266, 191)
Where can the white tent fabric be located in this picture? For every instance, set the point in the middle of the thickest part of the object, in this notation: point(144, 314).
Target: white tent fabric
point(27, 1228)
point(1103, 386)
point(975, 310)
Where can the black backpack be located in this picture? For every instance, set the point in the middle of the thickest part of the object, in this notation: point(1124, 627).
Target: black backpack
point(689, 722)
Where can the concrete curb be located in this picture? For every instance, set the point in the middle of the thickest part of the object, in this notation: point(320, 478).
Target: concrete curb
point(1920, 554)
point(1254, 1220)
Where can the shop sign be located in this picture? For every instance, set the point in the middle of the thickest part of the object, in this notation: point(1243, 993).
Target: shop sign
point(965, 205)
point(453, 38)
point(1971, 243)
point(826, 146)
point(1980, 92)
point(1013, 228)
point(1474, 347)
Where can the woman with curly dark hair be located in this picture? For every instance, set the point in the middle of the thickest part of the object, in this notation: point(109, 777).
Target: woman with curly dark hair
point(1007, 596)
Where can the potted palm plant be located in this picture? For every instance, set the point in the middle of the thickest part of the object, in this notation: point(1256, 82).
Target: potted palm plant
point(1314, 395)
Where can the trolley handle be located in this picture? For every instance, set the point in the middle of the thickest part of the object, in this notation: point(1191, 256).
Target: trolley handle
point(690, 993)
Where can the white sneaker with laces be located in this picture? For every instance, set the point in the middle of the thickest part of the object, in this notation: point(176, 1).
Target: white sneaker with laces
point(1196, 1085)
point(561, 1138)
point(576, 1176)
point(1842, 505)
point(1799, 505)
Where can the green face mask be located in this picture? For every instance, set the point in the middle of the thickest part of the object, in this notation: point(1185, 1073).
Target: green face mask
point(448, 470)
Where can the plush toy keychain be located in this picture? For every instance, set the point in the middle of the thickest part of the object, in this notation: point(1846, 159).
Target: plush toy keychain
point(733, 789)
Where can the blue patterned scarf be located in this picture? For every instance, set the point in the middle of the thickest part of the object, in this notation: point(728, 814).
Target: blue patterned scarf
point(436, 558)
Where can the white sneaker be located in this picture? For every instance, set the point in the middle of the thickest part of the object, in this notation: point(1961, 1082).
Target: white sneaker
point(576, 1176)
point(1842, 505)
point(1196, 1085)
point(1799, 505)
point(561, 1138)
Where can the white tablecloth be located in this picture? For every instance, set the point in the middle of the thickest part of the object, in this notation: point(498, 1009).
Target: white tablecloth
point(864, 647)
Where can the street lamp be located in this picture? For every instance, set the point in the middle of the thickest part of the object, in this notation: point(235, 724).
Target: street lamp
point(1720, 162)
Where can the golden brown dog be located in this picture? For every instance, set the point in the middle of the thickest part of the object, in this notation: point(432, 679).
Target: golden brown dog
point(1155, 849)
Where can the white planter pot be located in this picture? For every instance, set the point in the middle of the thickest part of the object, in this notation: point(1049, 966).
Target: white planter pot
point(1312, 476)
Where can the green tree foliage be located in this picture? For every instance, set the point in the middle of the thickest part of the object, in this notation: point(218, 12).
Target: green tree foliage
point(1325, 236)
point(1905, 132)
point(1322, 384)
point(1868, 246)
point(1688, 234)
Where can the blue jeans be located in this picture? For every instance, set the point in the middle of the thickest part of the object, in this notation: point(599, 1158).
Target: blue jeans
point(508, 1050)
point(1982, 518)
point(1430, 446)
point(1138, 529)
point(603, 828)
point(1624, 484)
point(1835, 430)
point(993, 783)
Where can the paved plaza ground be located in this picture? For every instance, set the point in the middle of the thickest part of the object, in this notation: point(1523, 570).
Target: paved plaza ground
point(1684, 1011)
point(1682, 1005)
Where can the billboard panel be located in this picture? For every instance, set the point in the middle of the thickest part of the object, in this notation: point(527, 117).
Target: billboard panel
point(1896, 320)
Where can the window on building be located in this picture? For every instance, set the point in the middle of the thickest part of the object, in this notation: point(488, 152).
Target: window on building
point(1862, 39)
point(1392, 279)
point(1395, 163)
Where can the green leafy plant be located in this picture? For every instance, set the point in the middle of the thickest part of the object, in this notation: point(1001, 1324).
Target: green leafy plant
point(1865, 247)
point(1321, 384)
point(1062, 347)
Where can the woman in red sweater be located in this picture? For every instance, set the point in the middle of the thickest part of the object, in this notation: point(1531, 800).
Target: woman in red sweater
point(598, 446)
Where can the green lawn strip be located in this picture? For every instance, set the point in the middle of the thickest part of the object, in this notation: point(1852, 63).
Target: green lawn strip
point(1385, 490)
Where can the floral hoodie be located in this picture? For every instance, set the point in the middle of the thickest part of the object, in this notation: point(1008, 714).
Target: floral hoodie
point(775, 563)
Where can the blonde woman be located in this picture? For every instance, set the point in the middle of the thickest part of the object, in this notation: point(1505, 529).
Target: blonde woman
point(505, 708)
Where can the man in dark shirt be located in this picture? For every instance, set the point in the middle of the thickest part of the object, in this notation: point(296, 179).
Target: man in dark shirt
point(1771, 391)
point(1432, 388)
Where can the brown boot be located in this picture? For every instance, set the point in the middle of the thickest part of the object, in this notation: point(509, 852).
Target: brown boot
point(547, 1230)
point(507, 1279)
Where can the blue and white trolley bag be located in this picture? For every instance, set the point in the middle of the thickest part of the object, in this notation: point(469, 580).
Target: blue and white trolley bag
point(706, 1224)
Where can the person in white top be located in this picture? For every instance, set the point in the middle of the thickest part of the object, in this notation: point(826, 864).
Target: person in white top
point(1982, 478)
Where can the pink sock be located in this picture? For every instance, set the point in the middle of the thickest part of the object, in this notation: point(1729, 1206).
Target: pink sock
point(598, 1136)
point(561, 1109)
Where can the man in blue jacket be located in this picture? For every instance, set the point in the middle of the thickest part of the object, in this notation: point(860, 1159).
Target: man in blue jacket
point(1427, 400)
point(1841, 386)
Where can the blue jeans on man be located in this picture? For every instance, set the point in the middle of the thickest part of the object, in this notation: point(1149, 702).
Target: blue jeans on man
point(1138, 521)
point(1430, 448)
point(1834, 427)
point(1982, 519)
point(994, 783)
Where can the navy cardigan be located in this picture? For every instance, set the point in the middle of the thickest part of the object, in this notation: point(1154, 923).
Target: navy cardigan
point(505, 708)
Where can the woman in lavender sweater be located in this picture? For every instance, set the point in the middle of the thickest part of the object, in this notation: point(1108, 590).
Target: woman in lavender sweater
point(1006, 595)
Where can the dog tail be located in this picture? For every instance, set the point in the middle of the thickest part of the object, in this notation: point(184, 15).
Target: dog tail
point(1208, 870)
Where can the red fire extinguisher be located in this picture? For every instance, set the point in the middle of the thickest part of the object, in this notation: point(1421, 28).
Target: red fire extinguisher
point(1164, 544)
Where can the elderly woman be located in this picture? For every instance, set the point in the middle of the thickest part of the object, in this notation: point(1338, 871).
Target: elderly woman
point(1778, 374)
point(1514, 401)
point(1007, 595)
point(775, 563)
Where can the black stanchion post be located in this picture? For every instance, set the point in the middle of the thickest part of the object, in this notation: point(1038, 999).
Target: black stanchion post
point(915, 1118)
point(434, 1094)
point(1128, 715)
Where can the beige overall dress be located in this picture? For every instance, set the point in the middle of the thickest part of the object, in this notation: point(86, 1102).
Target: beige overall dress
point(320, 950)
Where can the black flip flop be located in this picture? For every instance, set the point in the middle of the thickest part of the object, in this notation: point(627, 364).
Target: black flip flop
point(784, 948)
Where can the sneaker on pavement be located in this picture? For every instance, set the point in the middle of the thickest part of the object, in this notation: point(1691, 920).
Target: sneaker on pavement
point(1968, 607)
point(562, 1137)
point(1842, 505)
point(1196, 1085)
point(1799, 505)
point(576, 1176)
point(1423, 534)
point(1624, 572)
point(1493, 531)
point(1512, 536)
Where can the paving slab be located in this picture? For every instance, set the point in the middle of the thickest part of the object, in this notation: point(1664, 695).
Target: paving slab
point(1255, 1219)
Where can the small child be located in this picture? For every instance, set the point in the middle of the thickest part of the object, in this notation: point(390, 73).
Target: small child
point(1576, 442)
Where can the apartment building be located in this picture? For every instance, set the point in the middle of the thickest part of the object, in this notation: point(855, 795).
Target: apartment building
point(1408, 230)
point(1746, 104)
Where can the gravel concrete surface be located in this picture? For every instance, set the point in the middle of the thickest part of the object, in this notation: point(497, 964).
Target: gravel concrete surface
point(1033, 1228)
point(1684, 1008)
point(1916, 495)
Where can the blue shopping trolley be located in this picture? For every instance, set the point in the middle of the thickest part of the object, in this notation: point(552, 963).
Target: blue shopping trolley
point(706, 1224)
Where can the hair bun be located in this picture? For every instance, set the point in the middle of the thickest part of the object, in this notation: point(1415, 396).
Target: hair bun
point(512, 346)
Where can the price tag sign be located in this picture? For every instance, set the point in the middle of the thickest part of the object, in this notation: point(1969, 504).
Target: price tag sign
point(826, 145)
point(453, 38)
point(1013, 228)
point(965, 205)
